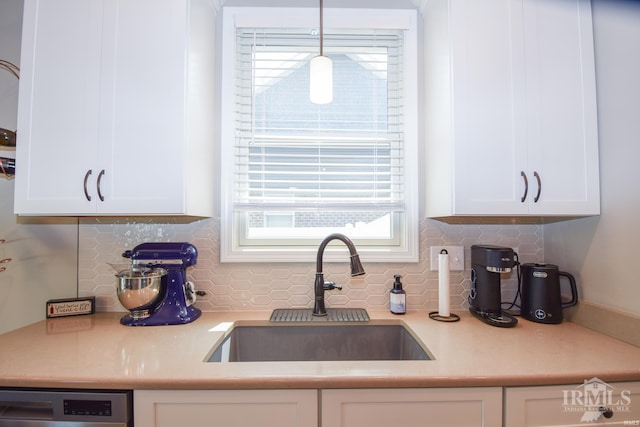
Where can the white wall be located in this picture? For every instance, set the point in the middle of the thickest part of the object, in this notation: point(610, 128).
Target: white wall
point(43, 251)
point(603, 251)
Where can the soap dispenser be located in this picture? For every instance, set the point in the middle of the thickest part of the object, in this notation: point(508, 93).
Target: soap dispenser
point(397, 297)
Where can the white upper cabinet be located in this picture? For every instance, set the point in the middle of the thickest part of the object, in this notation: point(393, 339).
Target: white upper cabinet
point(560, 87)
point(116, 108)
point(511, 126)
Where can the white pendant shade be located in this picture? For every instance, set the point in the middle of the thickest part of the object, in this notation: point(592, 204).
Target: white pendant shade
point(321, 80)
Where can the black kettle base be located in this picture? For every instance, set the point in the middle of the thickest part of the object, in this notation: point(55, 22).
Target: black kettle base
point(501, 320)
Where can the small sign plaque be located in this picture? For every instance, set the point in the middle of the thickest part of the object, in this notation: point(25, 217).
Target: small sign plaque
point(71, 306)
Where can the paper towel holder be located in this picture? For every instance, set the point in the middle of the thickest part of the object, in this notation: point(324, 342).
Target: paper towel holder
point(436, 315)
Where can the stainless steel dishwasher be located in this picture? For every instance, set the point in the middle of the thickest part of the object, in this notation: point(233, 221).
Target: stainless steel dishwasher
point(58, 408)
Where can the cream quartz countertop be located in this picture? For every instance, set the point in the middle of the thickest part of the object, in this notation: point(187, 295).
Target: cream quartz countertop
point(95, 351)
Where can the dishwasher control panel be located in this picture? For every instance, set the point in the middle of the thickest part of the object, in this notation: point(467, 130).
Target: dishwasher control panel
point(100, 408)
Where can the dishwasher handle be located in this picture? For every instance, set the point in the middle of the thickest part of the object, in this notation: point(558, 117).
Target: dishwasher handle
point(17, 413)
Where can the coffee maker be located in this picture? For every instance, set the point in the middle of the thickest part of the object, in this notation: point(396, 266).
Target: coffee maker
point(488, 262)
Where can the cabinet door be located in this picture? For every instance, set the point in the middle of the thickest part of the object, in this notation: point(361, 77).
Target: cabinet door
point(455, 407)
point(561, 106)
point(488, 107)
point(573, 405)
point(142, 107)
point(110, 107)
point(58, 106)
point(237, 408)
point(522, 106)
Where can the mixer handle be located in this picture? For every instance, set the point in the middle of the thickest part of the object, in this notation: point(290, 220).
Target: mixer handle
point(574, 290)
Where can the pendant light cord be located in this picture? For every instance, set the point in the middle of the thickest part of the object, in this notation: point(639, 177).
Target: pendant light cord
point(321, 29)
point(321, 71)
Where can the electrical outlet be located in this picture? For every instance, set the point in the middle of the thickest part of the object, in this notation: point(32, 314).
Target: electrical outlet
point(456, 257)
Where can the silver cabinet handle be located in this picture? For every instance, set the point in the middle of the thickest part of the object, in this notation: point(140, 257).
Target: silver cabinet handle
point(86, 178)
point(100, 175)
point(526, 186)
point(535, 199)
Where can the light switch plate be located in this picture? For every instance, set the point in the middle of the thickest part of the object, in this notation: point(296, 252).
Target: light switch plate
point(456, 257)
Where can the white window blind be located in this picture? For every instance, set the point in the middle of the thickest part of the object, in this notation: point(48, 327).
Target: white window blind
point(293, 172)
point(292, 155)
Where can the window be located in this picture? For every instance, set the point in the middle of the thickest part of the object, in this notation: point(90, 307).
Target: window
point(294, 172)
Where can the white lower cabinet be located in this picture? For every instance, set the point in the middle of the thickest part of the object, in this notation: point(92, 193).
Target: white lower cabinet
point(440, 407)
point(593, 403)
point(226, 408)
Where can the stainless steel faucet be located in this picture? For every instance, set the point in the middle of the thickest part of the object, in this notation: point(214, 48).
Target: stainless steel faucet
point(320, 285)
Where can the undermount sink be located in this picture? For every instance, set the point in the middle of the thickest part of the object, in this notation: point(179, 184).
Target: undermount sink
point(326, 342)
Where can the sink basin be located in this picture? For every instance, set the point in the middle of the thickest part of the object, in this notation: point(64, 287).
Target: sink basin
point(318, 343)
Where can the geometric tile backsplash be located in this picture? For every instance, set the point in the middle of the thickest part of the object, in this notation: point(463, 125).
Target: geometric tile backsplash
point(265, 286)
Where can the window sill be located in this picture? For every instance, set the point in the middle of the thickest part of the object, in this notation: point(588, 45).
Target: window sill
point(306, 254)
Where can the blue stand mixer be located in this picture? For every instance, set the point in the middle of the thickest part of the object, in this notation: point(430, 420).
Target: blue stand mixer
point(155, 289)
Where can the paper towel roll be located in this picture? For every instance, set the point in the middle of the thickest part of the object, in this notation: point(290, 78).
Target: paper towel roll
point(443, 284)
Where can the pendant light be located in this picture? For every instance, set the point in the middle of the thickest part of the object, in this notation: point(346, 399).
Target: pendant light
point(321, 73)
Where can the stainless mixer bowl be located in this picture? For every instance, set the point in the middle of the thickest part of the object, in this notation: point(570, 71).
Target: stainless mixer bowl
point(140, 290)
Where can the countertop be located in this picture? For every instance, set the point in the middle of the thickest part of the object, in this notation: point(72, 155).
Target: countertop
point(95, 351)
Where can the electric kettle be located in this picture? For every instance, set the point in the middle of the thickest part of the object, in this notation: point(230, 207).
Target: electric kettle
point(541, 300)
